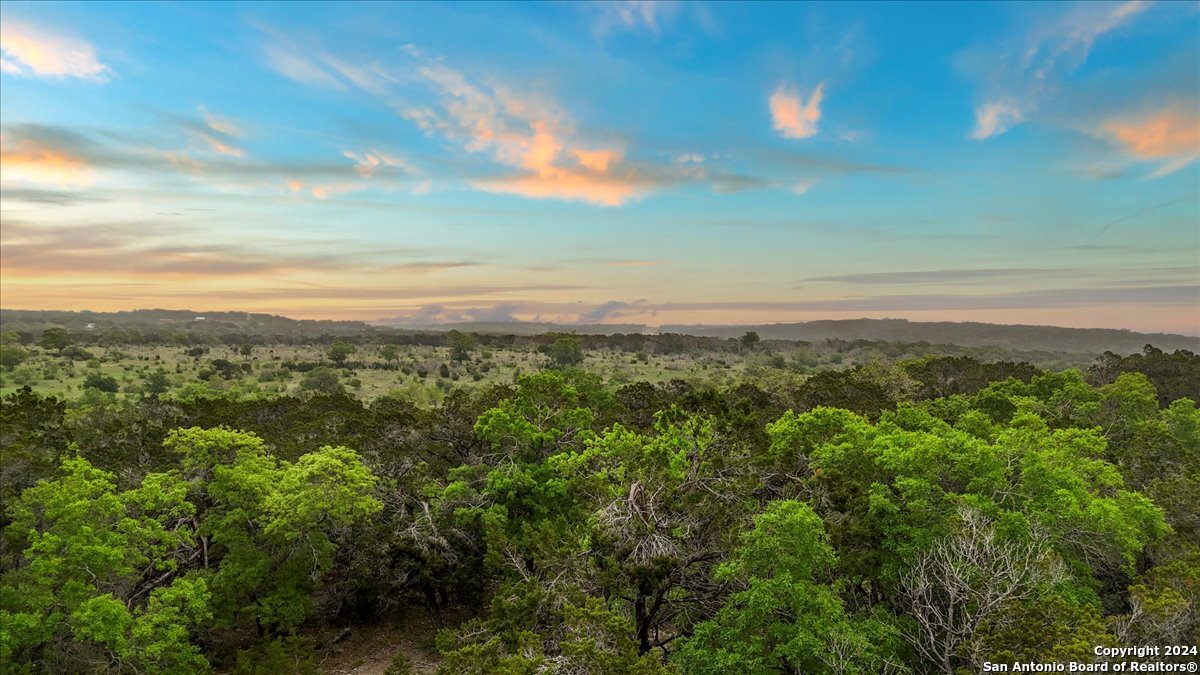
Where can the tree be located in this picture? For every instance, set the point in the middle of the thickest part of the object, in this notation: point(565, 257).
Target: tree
point(784, 619)
point(12, 355)
point(968, 578)
point(321, 380)
point(57, 339)
point(750, 340)
point(566, 351)
point(340, 351)
point(98, 580)
point(389, 353)
point(156, 384)
point(246, 349)
point(105, 383)
point(461, 345)
point(269, 564)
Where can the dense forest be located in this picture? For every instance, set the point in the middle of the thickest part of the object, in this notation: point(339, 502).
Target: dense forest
point(886, 513)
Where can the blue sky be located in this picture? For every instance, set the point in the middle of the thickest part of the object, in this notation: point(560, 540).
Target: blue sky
point(617, 162)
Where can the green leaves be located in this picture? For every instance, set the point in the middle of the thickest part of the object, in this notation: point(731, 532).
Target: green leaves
point(82, 586)
point(788, 539)
point(784, 620)
point(126, 577)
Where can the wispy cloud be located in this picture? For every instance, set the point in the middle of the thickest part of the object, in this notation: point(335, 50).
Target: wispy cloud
point(792, 115)
point(218, 134)
point(950, 276)
point(61, 157)
point(39, 161)
point(123, 249)
point(1019, 77)
point(632, 15)
point(529, 133)
point(39, 52)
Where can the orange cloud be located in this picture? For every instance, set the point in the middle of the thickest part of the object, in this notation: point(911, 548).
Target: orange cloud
point(1170, 135)
point(596, 160)
point(528, 133)
point(793, 116)
point(556, 183)
point(31, 50)
point(30, 161)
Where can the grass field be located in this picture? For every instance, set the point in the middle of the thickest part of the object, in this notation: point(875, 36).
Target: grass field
point(417, 372)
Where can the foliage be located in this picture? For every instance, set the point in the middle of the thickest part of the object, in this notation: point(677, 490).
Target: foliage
point(881, 514)
point(566, 351)
point(340, 351)
point(100, 382)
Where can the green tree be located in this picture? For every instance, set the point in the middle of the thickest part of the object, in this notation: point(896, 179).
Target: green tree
point(340, 351)
point(98, 576)
point(99, 382)
point(321, 380)
point(750, 340)
point(461, 345)
point(784, 619)
point(566, 351)
point(12, 355)
point(156, 384)
point(57, 339)
point(268, 522)
point(389, 353)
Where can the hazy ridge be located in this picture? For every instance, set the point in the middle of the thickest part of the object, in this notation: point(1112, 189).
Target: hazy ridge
point(970, 334)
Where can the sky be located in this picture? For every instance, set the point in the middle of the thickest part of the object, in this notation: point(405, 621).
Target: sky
point(620, 162)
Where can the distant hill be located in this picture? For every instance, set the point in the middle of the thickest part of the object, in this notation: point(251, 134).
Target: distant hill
point(1014, 337)
point(526, 327)
point(172, 319)
point(1054, 338)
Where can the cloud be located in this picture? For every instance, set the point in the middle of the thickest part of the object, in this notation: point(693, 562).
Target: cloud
point(632, 15)
point(40, 161)
point(1169, 136)
point(530, 134)
point(311, 65)
point(540, 153)
point(303, 69)
point(220, 135)
point(611, 309)
point(995, 117)
point(371, 161)
point(792, 115)
point(1020, 76)
point(49, 197)
point(504, 312)
point(801, 188)
point(35, 51)
point(63, 157)
point(1186, 295)
point(613, 263)
point(124, 249)
point(935, 277)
